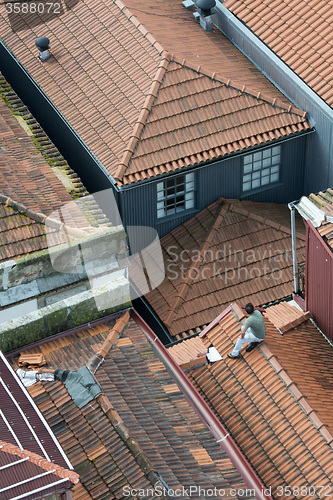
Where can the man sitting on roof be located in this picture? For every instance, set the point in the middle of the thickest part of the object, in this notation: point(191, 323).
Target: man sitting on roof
point(253, 331)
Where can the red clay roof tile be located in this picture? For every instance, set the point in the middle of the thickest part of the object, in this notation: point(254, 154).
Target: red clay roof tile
point(231, 267)
point(287, 447)
point(294, 31)
point(143, 396)
point(103, 96)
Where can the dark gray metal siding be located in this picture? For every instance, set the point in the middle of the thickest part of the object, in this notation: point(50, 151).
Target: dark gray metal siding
point(219, 179)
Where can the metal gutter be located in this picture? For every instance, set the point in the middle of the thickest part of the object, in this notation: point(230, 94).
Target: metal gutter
point(214, 425)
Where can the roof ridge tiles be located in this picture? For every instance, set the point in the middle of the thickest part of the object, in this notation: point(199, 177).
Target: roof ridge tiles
point(131, 443)
point(244, 89)
point(180, 297)
point(143, 115)
point(23, 210)
point(98, 358)
point(59, 471)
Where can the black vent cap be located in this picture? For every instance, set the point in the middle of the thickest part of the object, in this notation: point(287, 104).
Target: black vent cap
point(42, 43)
point(205, 5)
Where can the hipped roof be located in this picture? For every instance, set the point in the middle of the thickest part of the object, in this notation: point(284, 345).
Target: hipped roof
point(231, 250)
point(142, 110)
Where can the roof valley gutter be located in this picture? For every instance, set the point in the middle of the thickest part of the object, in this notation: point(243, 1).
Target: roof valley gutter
point(56, 110)
point(214, 425)
point(229, 24)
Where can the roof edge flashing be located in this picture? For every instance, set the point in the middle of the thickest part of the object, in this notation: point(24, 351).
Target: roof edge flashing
point(309, 211)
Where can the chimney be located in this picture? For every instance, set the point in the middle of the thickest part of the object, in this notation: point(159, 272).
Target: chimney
point(42, 44)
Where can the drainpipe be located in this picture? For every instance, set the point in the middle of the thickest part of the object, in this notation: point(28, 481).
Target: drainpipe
point(214, 425)
point(292, 209)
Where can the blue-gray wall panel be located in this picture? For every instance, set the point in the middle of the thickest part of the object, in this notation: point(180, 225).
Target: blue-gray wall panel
point(219, 179)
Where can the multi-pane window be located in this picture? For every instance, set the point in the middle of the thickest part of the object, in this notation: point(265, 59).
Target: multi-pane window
point(261, 168)
point(175, 195)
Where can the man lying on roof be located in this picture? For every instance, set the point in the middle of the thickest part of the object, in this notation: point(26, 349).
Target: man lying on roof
point(253, 332)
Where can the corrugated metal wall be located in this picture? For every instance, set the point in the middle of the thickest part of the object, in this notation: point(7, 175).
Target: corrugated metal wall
point(222, 178)
point(319, 279)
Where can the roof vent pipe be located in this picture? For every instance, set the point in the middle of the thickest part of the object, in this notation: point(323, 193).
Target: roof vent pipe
point(42, 44)
point(204, 11)
point(205, 6)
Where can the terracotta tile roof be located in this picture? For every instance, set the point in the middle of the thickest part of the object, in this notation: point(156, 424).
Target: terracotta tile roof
point(298, 32)
point(227, 252)
point(285, 316)
point(30, 457)
point(30, 188)
point(25, 176)
point(141, 399)
point(283, 433)
point(139, 108)
point(23, 231)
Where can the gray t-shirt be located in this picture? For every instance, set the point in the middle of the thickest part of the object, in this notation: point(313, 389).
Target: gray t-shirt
point(257, 324)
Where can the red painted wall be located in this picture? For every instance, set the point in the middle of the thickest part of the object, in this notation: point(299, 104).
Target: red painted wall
point(319, 280)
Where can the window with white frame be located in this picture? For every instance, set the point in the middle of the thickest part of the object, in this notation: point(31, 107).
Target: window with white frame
point(175, 194)
point(261, 168)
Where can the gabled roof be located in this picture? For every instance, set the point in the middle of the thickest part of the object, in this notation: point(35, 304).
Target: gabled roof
point(275, 402)
point(30, 457)
point(298, 32)
point(142, 110)
point(230, 251)
point(139, 426)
